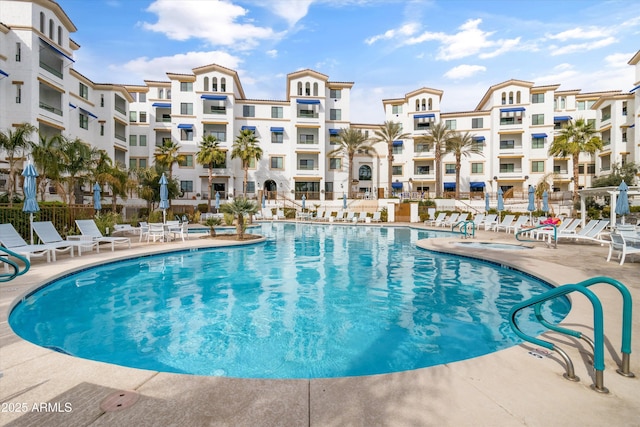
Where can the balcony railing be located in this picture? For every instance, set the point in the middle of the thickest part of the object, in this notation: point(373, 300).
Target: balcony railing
point(120, 137)
point(50, 108)
point(307, 115)
point(51, 69)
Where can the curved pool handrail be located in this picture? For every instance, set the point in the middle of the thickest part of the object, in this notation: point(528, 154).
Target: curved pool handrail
point(547, 226)
point(6, 277)
point(463, 228)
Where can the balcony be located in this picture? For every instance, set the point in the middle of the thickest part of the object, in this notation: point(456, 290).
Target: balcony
point(50, 108)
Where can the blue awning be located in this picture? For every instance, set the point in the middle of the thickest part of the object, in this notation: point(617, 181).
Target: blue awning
point(397, 143)
point(55, 49)
point(276, 129)
point(161, 105)
point(512, 110)
point(425, 116)
point(334, 131)
point(538, 135)
point(308, 101)
point(71, 105)
point(478, 138)
point(561, 118)
point(253, 128)
point(185, 126)
point(634, 89)
point(4, 74)
point(449, 185)
point(396, 185)
point(474, 185)
point(633, 125)
point(214, 97)
point(89, 113)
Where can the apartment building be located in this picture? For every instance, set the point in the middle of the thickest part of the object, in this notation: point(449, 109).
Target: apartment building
point(513, 124)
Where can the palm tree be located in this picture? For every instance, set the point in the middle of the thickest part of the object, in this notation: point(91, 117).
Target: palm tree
point(438, 138)
point(577, 137)
point(15, 143)
point(240, 207)
point(210, 154)
point(246, 149)
point(389, 132)
point(461, 145)
point(74, 154)
point(168, 154)
point(46, 157)
point(350, 142)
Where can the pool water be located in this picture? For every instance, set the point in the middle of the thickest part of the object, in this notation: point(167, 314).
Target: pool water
point(313, 301)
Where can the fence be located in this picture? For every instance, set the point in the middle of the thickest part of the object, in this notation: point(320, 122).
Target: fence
point(62, 216)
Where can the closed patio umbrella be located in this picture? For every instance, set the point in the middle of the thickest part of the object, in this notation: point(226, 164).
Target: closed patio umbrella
point(30, 203)
point(264, 201)
point(500, 202)
point(531, 206)
point(164, 197)
point(217, 201)
point(622, 203)
point(487, 202)
point(96, 197)
point(545, 201)
point(344, 201)
point(304, 202)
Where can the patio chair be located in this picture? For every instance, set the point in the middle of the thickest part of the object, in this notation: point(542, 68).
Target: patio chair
point(156, 232)
point(477, 220)
point(349, 217)
point(267, 214)
point(451, 220)
point(339, 216)
point(619, 244)
point(377, 217)
point(10, 239)
point(594, 234)
point(437, 221)
point(89, 228)
point(506, 221)
point(362, 217)
point(522, 220)
point(489, 221)
point(48, 235)
point(280, 214)
point(144, 229)
point(180, 230)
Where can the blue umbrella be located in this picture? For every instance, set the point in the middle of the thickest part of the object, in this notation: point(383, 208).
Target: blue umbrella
point(164, 196)
point(622, 203)
point(344, 201)
point(545, 201)
point(96, 197)
point(487, 201)
point(264, 201)
point(532, 199)
point(30, 202)
point(500, 200)
point(217, 201)
point(304, 201)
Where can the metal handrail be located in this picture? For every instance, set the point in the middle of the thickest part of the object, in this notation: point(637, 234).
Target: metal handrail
point(6, 277)
point(463, 228)
point(597, 345)
point(526, 230)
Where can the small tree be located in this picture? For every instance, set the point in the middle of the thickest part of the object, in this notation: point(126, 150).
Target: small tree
point(211, 222)
point(240, 207)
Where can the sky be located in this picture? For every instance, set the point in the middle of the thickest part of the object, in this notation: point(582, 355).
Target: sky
point(386, 48)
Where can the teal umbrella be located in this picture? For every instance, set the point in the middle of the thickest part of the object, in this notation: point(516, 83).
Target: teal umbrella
point(545, 201)
point(217, 201)
point(164, 196)
point(531, 206)
point(30, 203)
point(344, 201)
point(304, 202)
point(622, 203)
point(487, 202)
point(264, 201)
point(96, 197)
point(500, 206)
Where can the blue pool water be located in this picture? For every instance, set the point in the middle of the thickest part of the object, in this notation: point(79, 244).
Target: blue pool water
point(313, 301)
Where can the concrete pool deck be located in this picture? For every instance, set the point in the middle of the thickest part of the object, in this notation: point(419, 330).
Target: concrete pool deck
point(519, 386)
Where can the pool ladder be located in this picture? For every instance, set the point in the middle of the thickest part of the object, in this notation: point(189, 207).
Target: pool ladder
point(597, 344)
point(11, 267)
point(553, 236)
point(464, 228)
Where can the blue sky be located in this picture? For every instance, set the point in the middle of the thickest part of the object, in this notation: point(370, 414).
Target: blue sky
point(387, 48)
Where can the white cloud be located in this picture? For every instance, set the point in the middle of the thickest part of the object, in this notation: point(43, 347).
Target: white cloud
point(273, 53)
point(215, 21)
point(291, 10)
point(464, 71)
point(580, 33)
point(581, 47)
point(405, 30)
point(504, 46)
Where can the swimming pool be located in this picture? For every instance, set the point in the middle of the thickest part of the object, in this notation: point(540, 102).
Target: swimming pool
point(313, 301)
point(493, 245)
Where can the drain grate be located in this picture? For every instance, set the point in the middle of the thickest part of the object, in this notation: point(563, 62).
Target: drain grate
point(119, 400)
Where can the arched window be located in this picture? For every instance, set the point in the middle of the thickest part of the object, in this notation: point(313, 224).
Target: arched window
point(518, 97)
point(299, 88)
point(504, 98)
point(59, 35)
point(417, 105)
point(214, 84)
point(315, 89)
point(424, 104)
point(307, 89)
point(42, 20)
point(168, 93)
point(430, 104)
point(364, 173)
point(223, 85)
point(510, 97)
point(206, 84)
point(51, 27)
point(160, 93)
point(562, 100)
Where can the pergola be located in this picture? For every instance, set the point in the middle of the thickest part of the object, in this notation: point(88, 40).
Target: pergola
point(601, 192)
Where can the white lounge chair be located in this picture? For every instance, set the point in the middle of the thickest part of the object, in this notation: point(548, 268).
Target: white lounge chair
point(280, 214)
point(593, 234)
point(48, 235)
point(489, 221)
point(320, 216)
point(362, 217)
point(506, 221)
point(377, 217)
point(89, 229)
point(620, 244)
point(478, 219)
point(437, 221)
point(522, 220)
point(126, 228)
point(10, 239)
point(349, 217)
point(451, 220)
point(267, 214)
point(339, 216)
point(144, 230)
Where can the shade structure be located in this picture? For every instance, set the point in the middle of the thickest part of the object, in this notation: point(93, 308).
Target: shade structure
point(545, 201)
point(344, 201)
point(96, 197)
point(622, 202)
point(217, 201)
point(500, 199)
point(164, 197)
point(304, 202)
point(487, 202)
point(30, 203)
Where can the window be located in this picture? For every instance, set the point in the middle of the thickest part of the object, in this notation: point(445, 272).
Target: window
point(214, 84)
point(252, 163)
point(220, 165)
point(504, 98)
point(364, 173)
point(624, 136)
point(315, 89)
point(305, 164)
point(133, 116)
point(537, 98)
point(422, 170)
point(18, 93)
point(84, 121)
point(478, 145)
point(396, 170)
point(205, 84)
point(306, 139)
point(581, 105)
point(186, 87)
point(476, 123)
point(396, 109)
point(142, 97)
point(133, 140)
point(168, 93)
point(507, 167)
point(134, 95)
point(537, 166)
point(335, 114)
point(449, 168)
point(277, 137)
point(510, 97)
point(251, 186)
point(51, 26)
point(335, 163)
point(514, 120)
point(102, 99)
point(248, 111)
point(186, 186)
point(606, 113)
point(186, 108)
point(537, 142)
point(160, 93)
point(507, 145)
point(18, 52)
point(335, 93)
point(537, 119)
point(624, 108)
point(42, 22)
point(450, 124)
point(276, 112)
point(133, 163)
point(477, 167)
point(592, 123)
point(277, 163)
point(307, 89)
point(223, 84)
point(84, 91)
point(143, 117)
point(186, 134)
point(187, 161)
point(142, 140)
point(101, 129)
point(397, 149)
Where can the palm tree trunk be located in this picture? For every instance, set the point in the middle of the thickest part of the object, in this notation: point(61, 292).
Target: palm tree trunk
point(576, 174)
point(210, 188)
point(458, 160)
point(350, 176)
point(240, 226)
point(246, 179)
point(390, 171)
point(438, 160)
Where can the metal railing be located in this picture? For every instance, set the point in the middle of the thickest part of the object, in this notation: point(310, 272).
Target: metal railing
point(462, 227)
point(553, 235)
point(11, 264)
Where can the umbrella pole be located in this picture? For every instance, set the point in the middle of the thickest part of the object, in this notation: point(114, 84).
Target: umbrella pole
point(31, 226)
